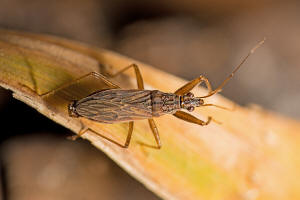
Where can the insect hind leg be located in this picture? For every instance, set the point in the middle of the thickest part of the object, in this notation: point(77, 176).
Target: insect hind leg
point(93, 74)
point(127, 142)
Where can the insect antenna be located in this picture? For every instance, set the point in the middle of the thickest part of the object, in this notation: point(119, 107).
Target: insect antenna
point(221, 107)
point(235, 70)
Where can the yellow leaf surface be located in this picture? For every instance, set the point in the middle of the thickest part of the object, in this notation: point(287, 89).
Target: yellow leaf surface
point(253, 154)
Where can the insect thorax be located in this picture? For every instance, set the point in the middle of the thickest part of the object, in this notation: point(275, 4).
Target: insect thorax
point(164, 103)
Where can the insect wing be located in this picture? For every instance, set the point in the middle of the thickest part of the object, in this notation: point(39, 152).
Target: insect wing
point(116, 105)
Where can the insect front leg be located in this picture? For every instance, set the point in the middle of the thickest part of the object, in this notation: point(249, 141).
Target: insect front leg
point(127, 142)
point(139, 78)
point(190, 118)
point(190, 85)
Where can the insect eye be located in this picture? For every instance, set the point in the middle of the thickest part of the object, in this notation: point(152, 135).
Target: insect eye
point(191, 108)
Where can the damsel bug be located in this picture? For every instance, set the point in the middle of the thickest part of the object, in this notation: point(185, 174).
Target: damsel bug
point(114, 105)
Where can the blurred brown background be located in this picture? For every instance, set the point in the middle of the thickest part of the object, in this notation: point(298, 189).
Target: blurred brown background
point(185, 38)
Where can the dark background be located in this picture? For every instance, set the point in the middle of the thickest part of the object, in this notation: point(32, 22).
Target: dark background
point(185, 38)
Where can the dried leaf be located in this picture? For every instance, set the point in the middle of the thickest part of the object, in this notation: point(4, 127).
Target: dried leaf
point(253, 154)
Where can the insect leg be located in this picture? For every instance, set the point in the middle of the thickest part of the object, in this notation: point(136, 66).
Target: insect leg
point(81, 132)
point(155, 132)
point(94, 74)
point(140, 84)
point(139, 78)
point(130, 129)
point(190, 85)
point(84, 130)
point(190, 118)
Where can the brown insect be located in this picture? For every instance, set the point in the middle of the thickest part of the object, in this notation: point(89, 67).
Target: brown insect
point(119, 105)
